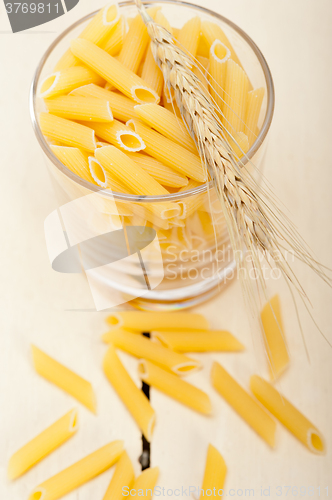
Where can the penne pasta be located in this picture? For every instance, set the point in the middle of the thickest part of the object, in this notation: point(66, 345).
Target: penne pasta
point(79, 473)
point(240, 144)
point(189, 35)
point(253, 413)
point(203, 47)
point(104, 178)
point(168, 152)
point(62, 82)
point(287, 414)
point(43, 444)
point(141, 347)
point(160, 18)
point(114, 43)
point(214, 474)
point(211, 32)
point(144, 485)
point(149, 321)
point(197, 341)
point(167, 124)
point(122, 108)
point(132, 397)
point(235, 98)
point(67, 132)
point(123, 477)
point(173, 386)
point(135, 42)
point(80, 108)
point(65, 379)
point(113, 71)
point(219, 55)
point(255, 100)
point(75, 160)
point(165, 175)
point(118, 134)
point(151, 73)
point(201, 70)
point(274, 338)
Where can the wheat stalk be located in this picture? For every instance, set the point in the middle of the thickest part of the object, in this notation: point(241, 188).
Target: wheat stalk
point(253, 218)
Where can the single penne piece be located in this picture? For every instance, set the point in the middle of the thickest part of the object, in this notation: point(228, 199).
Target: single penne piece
point(144, 485)
point(166, 123)
point(274, 338)
point(165, 175)
point(122, 108)
point(252, 412)
point(128, 172)
point(169, 152)
point(254, 104)
point(62, 82)
point(201, 70)
point(160, 18)
point(64, 378)
point(135, 42)
point(80, 108)
point(211, 32)
point(75, 160)
point(107, 337)
point(114, 43)
point(189, 35)
point(173, 386)
point(287, 414)
point(104, 178)
point(43, 444)
point(214, 474)
point(79, 473)
point(197, 341)
point(118, 134)
point(123, 477)
point(100, 26)
point(149, 321)
point(235, 98)
point(203, 47)
point(141, 347)
point(67, 132)
point(219, 55)
point(113, 71)
point(132, 397)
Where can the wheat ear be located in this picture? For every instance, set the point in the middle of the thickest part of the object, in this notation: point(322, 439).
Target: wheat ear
point(253, 218)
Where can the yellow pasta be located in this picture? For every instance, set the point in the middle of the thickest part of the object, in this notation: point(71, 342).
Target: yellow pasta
point(141, 347)
point(160, 172)
point(252, 412)
point(240, 144)
point(214, 474)
point(122, 108)
point(104, 178)
point(173, 386)
point(198, 341)
point(123, 477)
point(62, 82)
point(80, 108)
point(65, 379)
point(287, 414)
point(274, 337)
point(132, 397)
point(135, 42)
point(168, 152)
point(211, 32)
point(119, 134)
point(167, 124)
point(203, 47)
point(201, 71)
point(219, 55)
point(151, 73)
point(100, 26)
point(189, 35)
point(144, 485)
point(79, 473)
point(74, 159)
point(114, 43)
point(148, 321)
point(254, 104)
point(67, 132)
point(43, 444)
point(113, 71)
point(235, 98)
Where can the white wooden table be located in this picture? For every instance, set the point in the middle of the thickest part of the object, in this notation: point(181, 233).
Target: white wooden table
point(37, 303)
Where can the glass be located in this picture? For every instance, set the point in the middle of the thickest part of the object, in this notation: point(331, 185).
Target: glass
point(196, 255)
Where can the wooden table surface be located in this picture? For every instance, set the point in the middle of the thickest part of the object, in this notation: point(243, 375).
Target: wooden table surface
point(37, 304)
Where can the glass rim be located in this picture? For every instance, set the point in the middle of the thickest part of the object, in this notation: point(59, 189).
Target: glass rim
point(143, 198)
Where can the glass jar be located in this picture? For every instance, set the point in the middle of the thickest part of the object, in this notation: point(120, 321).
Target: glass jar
point(190, 258)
